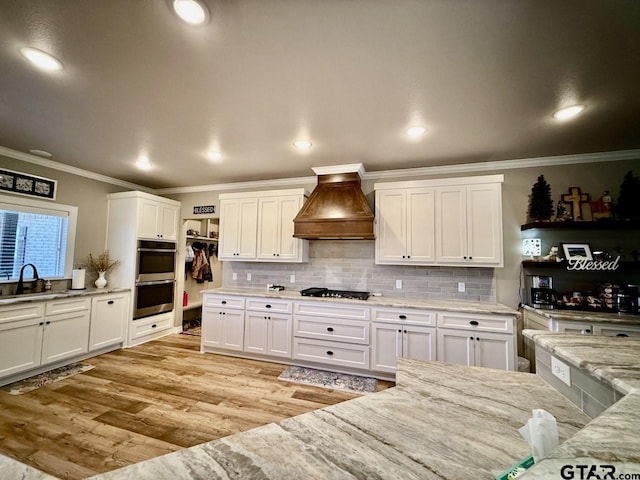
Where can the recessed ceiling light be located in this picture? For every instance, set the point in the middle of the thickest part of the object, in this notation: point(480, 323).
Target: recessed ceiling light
point(40, 59)
point(40, 153)
point(302, 144)
point(143, 163)
point(215, 156)
point(568, 113)
point(415, 132)
point(193, 12)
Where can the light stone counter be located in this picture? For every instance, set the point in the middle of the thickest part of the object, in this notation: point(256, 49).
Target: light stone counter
point(613, 438)
point(440, 421)
point(46, 296)
point(12, 469)
point(586, 316)
point(443, 305)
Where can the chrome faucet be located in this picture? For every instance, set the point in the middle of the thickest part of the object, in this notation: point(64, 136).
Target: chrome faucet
point(36, 279)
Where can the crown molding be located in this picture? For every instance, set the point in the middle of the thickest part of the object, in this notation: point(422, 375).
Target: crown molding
point(257, 184)
point(44, 162)
point(499, 165)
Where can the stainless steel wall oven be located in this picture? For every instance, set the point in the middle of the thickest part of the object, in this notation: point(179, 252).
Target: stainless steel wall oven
point(155, 278)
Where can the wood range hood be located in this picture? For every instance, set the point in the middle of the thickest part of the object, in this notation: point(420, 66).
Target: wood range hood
point(337, 208)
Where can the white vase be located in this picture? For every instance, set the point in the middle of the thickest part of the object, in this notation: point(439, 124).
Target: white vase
point(101, 282)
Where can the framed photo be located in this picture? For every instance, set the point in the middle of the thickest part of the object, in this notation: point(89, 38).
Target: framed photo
point(575, 251)
point(25, 184)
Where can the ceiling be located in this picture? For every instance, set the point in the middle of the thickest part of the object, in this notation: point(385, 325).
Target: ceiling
point(484, 76)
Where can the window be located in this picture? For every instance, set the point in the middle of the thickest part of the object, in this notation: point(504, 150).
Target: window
point(37, 232)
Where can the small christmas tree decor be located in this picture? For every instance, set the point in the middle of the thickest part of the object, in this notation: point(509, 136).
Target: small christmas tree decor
point(540, 203)
point(628, 206)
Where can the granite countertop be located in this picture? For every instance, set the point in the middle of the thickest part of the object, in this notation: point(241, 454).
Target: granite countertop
point(394, 302)
point(586, 316)
point(45, 296)
point(613, 438)
point(440, 421)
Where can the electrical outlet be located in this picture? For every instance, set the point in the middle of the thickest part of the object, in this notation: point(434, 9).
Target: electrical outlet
point(235, 276)
point(398, 283)
point(461, 287)
point(292, 279)
point(248, 277)
point(561, 370)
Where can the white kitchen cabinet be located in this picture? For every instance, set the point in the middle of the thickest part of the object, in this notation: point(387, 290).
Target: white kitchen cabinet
point(405, 220)
point(612, 330)
point(238, 228)
point(392, 341)
point(475, 348)
point(268, 334)
point(258, 226)
point(109, 318)
point(572, 327)
point(223, 328)
point(275, 229)
point(157, 219)
point(21, 328)
point(65, 335)
point(469, 225)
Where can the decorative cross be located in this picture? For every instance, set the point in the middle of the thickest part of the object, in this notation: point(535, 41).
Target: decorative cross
point(575, 197)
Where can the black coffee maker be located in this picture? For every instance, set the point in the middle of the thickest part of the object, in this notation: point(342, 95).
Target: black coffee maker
point(627, 299)
point(542, 293)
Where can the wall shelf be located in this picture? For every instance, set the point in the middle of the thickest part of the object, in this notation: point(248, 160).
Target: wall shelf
point(597, 225)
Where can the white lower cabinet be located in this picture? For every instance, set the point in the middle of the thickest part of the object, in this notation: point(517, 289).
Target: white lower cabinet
point(65, 335)
point(223, 328)
point(21, 328)
point(109, 314)
point(391, 342)
point(267, 334)
point(475, 348)
point(332, 353)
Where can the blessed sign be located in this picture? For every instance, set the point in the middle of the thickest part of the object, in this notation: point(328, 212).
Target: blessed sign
point(580, 264)
point(204, 209)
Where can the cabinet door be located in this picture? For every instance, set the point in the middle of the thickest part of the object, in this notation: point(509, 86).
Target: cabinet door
point(65, 336)
point(229, 229)
point(494, 350)
point(168, 222)
point(484, 224)
point(289, 248)
point(387, 346)
point(420, 225)
point(109, 316)
point(451, 224)
point(279, 335)
point(21, 345)
point(247, 229)
point(455, 346)
point(268, 229)
point(418, 343)
point(255, 333)
point(211, 328)
point(148, 213)
point(391, 228)
point(233, 330)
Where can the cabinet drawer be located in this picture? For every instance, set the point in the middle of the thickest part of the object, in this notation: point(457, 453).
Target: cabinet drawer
point(229, 301)
point(67, 305)
point(269, 305)
point(485, 323)
point(333, 310)
point(339, 330)
point(408, 316)
point(21, 312)
point(355, 356)
point(142, 328)
point(616, 330)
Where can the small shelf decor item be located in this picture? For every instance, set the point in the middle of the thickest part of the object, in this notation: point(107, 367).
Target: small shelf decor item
point(577, 251)
point(575, 198)
point(101, 265)
point(540, 203)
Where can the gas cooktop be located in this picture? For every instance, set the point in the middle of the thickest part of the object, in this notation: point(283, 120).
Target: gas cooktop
point(325, 292)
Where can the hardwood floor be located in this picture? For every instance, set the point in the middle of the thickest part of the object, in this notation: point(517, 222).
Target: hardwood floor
point(146, 401)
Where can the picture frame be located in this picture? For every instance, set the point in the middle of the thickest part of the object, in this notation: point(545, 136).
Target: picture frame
point(27, 184)
point(577, 251)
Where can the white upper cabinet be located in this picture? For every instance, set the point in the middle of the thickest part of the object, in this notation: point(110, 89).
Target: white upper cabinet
point(258, 226)
point(404, 226)
point(157, 220)
point(452, 222)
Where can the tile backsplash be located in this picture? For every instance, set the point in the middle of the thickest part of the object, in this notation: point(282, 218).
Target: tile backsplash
point(349, 265)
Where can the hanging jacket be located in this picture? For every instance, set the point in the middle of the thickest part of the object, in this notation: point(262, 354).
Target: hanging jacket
point(200, 262)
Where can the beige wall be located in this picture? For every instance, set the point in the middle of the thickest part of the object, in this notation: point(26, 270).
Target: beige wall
point(88, 195)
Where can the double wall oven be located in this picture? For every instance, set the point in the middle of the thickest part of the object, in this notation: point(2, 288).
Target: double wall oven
point(155, 278)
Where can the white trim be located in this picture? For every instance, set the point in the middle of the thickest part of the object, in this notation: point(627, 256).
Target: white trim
point(148, 196)
point(43, 162)
point(257, 184)
point(347, 168)
point(439, 182)
point(264, 193)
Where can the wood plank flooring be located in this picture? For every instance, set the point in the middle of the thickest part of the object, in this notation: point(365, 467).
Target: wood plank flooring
point(146, 401)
